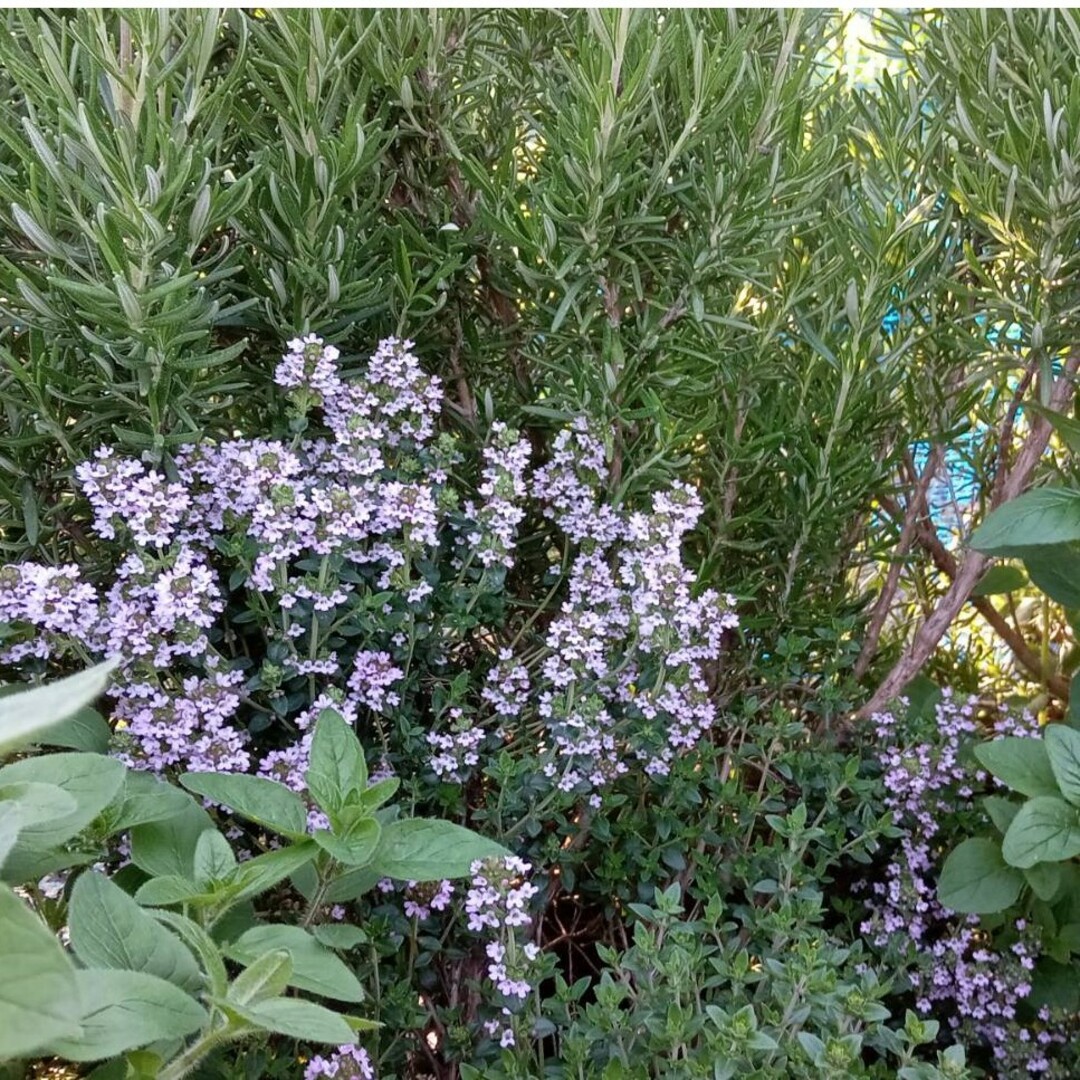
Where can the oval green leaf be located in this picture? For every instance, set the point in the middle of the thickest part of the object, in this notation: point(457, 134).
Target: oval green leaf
point(1063, 749)
point(1000, 579)
point(422, 849)
point(1035, 519)
point(39, 998)
point(314, 967)
point(263, 801)
point(110, 930)
point(1045, 830)
point(975, 879)
point(127, 1009)
point(1021, 763)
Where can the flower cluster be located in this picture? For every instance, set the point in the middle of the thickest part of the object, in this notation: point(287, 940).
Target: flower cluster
point(503, 491)
point(126, 496)
point(499, 895)
point(501, 970)
point(624, 675)
point(424, 897)
point(62, 608)
point(260, 576)
point(457, 750)
point(571, 483)
point(345, 1063)
point(497, 905)
point(957, 971)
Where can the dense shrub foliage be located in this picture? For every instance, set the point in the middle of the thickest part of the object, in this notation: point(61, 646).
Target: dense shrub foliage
point(605, 677)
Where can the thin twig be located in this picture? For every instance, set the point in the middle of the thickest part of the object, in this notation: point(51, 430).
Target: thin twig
point(1005, 445)
point(916, 509)
point(466, 402)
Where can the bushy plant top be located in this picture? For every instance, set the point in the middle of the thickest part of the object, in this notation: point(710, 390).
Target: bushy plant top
point(347, 565)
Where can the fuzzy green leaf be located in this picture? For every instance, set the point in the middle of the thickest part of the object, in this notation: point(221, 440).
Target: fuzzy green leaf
point(263, 801)
point(110, 930)
point(39, 998)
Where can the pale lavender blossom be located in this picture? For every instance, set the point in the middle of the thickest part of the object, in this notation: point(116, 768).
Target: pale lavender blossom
point(424, 897)
point(456, 751)
point(309, 369)
point(498, 894)
point(957, 974)
point(126, 495)
point(502, 493)
point(373, 675)
point(293, 538)
point(345, 1063)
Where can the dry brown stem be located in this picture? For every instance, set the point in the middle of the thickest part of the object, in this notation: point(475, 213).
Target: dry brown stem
point(1012, 482)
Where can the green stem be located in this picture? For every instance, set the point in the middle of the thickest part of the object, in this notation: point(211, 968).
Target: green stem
point(1044, 657)
point(181, 1065)
point(313, 650)
point(318, 897)
point(536, 811)
point(544, 606)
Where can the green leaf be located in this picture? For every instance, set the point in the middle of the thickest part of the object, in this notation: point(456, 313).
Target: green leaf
point(266, 977)
point(24, 864)
point(812, 1046)
point(264, 871)
point(1055, 985)
point(126, 1009)
point(1000, 579)
point(1065, 426)
point(351, 885)
point(314, 968)
point(337, 766)
point(922, 694)
point(382, 791)
point(167, 847)
point(1001, 811)
point(1037, 518)
point(231, 924)
point(40, 806)
point(201, 944)
point(1063, 749)
point(1045, 830)
point(299, 1020)
point(1021, 763)
point(91, 780)
point(422, 849)
point(110, 930)
point(1056, 570)
point(975, 879)
point(171, 889)
point(147, 798)
point(341, 936)
point(214, 859)
point(39, 998)
point(10, 819)
point(1045, 879)
point(85, 730)
point(1069, 934)
point(25, 716)
point(263, 801)
point(357, 848)
point(134, 1065)
point(1073, 718)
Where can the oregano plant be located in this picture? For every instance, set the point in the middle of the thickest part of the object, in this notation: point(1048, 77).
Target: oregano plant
point(148, 976)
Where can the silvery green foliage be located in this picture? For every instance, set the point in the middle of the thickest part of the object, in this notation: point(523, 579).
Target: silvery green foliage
point(615, 214)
